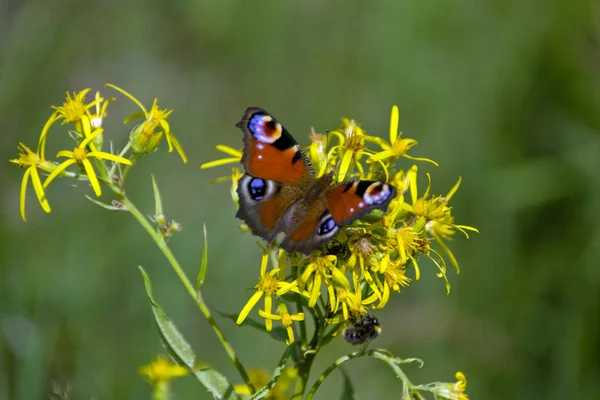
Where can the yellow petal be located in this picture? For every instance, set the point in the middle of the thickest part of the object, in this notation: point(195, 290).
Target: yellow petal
point(263, 264)
point(91, 174)
point(315, 292)
point(249, 305)
point(417, 270)
point(107, 156)
point(59, 168)
point(290, 333)
point(345, 164)
point(413, 183)
point(420, 159)
point(44, 135)
point(136, 101)
point(222, 161)
point(268, 308)
point(88, 140)
point(172, 139)
point(65, 153)
point(24, 193)
point(385, 297)
point(394, 123)
point(453, 190)
point(265, 315)
point(39, 190)
point(229, 150)
point(382, 155)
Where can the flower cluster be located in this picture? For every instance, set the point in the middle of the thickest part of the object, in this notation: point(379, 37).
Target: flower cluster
point(86, 162)
point(376, 255)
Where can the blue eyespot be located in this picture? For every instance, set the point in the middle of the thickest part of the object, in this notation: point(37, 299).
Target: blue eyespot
point(257, 188)
point(326, 226)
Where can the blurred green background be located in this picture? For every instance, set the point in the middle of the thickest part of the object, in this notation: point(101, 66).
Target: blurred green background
point(502, 93)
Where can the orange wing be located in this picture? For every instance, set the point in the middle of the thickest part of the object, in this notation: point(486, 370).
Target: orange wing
point(350, 200)
point(270, 152)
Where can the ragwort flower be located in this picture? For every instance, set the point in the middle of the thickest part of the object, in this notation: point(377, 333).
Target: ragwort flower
point(286, 319)
point(451, 391)
point(161, 370)
point(267, 286)
point(32, 161)
point(397, 146)
point(146, 137)
point(81, 156)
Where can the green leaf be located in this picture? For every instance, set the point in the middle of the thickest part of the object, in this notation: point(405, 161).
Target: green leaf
point(181, 351)
point(262, 392)
point(108, 207)
point(158, 209)
point(348, 392)
point(171, 338)
point(204, 263)
point(279, 333)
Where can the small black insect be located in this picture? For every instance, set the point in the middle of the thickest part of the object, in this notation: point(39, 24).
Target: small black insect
point(364, 329)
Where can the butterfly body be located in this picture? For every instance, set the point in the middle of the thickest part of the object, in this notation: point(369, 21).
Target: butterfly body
point(281, 194)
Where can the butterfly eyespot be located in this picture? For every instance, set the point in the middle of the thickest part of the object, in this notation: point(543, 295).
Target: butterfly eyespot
point(257, 188)
point(264, 128)
point(377, 193)
point(326, 226)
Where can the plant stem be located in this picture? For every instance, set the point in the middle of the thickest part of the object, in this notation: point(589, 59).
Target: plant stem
point(196, 295)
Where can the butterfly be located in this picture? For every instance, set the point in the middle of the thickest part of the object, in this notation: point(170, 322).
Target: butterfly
point(280, 193)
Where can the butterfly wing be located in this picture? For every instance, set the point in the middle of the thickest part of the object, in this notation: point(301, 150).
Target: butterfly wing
point(260, 206)
point(350, 200)
point(313, 232)
point(270, 152)
point(342, 204)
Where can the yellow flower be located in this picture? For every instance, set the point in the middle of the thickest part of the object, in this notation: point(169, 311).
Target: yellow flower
point(321, 269)
point(350, 302)
point(397, 147)
point(73, 111)
point(145, 138)
point(236, 157)
point(351, 148)
point(268, 285)
point(394, 277)
point(452, 391)
point(32, 161)
point(260, 377)
point(317, 151)
point(286, 320)
point(435, 214)
point(80, 155)
point(161, 370)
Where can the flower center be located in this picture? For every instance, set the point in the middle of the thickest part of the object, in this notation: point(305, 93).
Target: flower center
point(79, 154)
point(286, 319)
point(268, 284)
point(72, 110)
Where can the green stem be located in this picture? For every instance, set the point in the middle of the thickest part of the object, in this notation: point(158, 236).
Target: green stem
point(196, 295)
point(330, 369)
point(382, 355)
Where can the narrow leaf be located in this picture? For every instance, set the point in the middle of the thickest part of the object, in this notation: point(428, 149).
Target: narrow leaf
point(158, 210)
point(262, 392)
point(172, 339)
point(181, 351)
point(203, 264)
point(348, 392)
point(103, 205)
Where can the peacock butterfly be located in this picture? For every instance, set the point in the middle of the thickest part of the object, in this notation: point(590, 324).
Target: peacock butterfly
point(280, 193)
